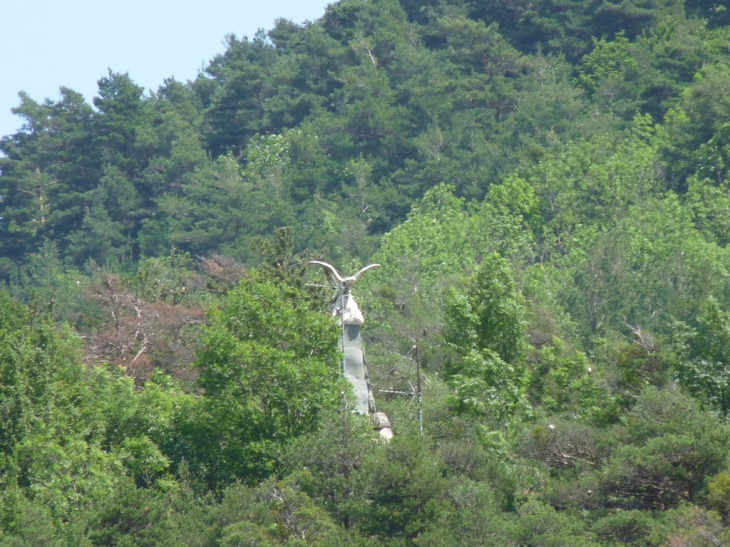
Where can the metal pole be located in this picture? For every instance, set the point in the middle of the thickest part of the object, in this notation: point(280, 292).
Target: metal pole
point(418, 387)
point(342, 319)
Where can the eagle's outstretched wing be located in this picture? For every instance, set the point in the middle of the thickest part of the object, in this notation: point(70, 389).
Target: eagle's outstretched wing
point(329, 268)
point(358, 275)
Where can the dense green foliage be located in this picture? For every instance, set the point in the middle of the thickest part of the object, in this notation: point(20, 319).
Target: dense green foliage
point(545, 185)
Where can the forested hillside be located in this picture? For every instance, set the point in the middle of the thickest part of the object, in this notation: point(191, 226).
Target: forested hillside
point(545, 185)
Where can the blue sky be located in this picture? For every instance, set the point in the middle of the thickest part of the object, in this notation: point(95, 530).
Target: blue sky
point(49, 43)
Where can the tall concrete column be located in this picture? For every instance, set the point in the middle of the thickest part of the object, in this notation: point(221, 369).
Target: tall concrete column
point(354, 367)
